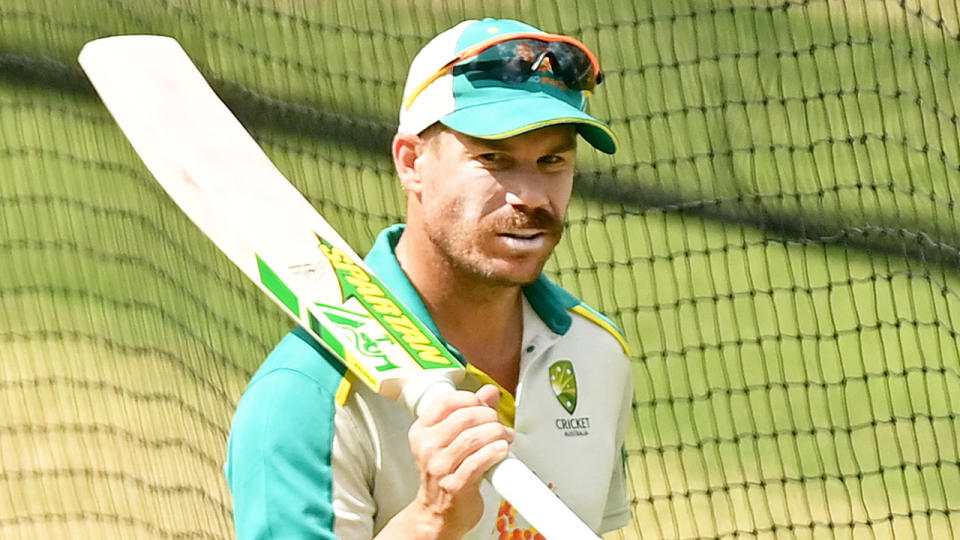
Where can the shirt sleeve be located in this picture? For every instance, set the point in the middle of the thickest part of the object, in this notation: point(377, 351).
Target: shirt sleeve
point(617, 512)
point(279, 459)
point(353, 464)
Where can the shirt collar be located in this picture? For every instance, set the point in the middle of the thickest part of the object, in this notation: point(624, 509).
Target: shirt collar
point(549, 301)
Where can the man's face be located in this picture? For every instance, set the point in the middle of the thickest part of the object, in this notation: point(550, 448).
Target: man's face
point(494, 210)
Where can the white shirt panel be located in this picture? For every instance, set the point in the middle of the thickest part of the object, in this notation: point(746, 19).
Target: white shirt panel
point(577, 453)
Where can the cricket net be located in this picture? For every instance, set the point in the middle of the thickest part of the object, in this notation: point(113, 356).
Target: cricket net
point(777, 237)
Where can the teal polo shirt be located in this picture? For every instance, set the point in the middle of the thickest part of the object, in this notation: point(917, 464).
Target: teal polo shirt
point(278, 463)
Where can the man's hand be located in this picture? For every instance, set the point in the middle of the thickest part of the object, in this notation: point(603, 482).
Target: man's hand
point(456, 440)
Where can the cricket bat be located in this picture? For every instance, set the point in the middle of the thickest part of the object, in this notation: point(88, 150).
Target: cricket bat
point(218, 175)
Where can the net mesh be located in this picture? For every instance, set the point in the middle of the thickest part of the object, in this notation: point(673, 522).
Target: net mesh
point(777, 237)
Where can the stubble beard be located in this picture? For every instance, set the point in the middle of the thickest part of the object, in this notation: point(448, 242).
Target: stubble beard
point(462, 251)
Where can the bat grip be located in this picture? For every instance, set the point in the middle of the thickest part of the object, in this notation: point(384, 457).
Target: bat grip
point(540, 506)
point(418, 393)
point(512, 479)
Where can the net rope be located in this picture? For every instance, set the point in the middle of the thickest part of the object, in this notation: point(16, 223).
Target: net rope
point(777, 238)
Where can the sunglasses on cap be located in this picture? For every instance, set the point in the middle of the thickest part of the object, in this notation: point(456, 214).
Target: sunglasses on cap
point(515, 57)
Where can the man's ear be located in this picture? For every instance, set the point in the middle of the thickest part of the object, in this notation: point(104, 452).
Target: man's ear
point(407, 149)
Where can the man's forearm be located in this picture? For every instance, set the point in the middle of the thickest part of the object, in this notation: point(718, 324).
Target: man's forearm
point(416, 523)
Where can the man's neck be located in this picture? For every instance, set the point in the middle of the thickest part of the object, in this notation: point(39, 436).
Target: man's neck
point(483, 321)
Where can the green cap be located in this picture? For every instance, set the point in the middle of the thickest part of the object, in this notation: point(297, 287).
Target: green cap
point(491, 108)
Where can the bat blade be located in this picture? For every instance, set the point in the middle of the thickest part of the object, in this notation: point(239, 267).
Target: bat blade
point(220, 177)
point(214, 170)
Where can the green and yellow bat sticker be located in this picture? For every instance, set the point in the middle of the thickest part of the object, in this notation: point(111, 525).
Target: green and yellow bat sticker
point(386, 309)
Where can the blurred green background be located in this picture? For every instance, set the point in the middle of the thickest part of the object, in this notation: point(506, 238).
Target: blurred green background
point(777, 237)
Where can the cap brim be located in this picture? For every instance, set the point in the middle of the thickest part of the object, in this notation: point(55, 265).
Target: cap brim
point(503, 119)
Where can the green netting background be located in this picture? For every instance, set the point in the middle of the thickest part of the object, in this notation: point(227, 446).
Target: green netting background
point(778, 239)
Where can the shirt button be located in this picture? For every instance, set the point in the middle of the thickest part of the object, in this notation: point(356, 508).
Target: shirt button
point(531, 348)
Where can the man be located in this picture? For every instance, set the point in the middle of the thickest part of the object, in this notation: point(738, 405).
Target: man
point(485, 151)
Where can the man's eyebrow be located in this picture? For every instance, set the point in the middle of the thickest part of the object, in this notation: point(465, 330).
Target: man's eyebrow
point(504, 144)
point(494, 144)
point(565, 146)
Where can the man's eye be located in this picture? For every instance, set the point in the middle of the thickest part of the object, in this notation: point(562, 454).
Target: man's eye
point(551, 160)
point(491, 158)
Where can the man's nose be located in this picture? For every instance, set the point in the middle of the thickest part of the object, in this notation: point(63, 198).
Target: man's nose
point(529, 192)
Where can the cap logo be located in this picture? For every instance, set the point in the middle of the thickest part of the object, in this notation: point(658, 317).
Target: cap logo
point(563, 381)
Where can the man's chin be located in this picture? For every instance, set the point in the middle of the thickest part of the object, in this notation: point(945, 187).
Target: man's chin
point(497, 267)
point(514, 275)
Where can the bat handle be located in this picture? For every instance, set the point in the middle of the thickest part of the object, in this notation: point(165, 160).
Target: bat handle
point(512, 479)
point(540, 506)
point(417, 393)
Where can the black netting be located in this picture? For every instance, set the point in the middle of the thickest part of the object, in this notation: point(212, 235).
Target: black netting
point(777, 237)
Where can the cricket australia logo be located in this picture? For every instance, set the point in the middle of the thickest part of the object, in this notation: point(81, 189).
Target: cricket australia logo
point(563, 382)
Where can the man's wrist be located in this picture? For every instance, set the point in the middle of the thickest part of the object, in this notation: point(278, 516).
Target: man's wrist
point(419, 523)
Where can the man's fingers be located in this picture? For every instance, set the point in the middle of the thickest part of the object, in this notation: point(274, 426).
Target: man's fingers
point(450, 458)
point(460, 429)
point(473, 467)
point(489, 395)
point(444, 404)
point(430, 439)
point(462, 419)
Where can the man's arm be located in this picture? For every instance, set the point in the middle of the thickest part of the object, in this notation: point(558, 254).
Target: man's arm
point(278, 463)
point(454, 442)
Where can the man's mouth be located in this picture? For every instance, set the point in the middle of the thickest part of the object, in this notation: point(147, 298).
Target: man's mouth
point(525, 234)
point(526, 239)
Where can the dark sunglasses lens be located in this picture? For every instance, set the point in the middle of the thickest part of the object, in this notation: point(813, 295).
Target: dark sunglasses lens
point(517, 56)
point(514, 61)
point(573, 65)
